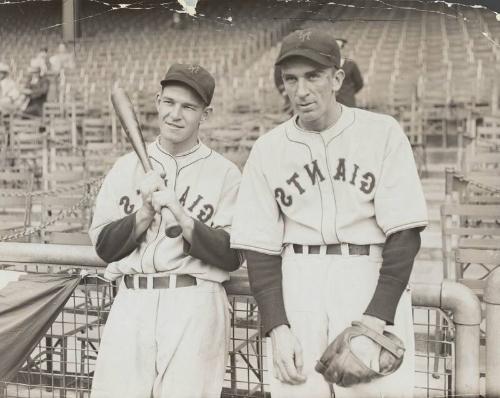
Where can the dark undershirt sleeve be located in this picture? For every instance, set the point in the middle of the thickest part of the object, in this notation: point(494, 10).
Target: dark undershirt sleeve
point(116, 239)
point(398, 256)
point(211, 245)
point(265, 277)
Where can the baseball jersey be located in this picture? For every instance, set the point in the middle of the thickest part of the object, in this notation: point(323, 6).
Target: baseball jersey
point(355, 182)
point(206, 184)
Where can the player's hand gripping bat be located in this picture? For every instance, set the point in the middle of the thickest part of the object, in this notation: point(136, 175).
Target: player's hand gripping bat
point(128, 119)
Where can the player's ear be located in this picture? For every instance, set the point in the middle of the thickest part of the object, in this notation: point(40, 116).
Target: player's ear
point(157, 101)
point(338, 78)
point(206, 113)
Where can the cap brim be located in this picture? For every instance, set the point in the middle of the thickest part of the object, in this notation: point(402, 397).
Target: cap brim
point(324, 60)
point(191, 83)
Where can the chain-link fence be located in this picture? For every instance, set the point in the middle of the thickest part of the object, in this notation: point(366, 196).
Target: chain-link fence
point(63, 363)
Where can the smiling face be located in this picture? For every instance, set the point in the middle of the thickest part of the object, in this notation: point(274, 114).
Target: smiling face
point(311, 89)
point(180, 112)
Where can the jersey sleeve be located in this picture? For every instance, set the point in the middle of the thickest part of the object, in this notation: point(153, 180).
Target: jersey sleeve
point(105, 210)
point(212, 244)
point(258, 222)
point(223, 217)
point(399, 198)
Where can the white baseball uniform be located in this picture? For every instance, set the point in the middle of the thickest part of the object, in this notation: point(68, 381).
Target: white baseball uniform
point(302, 193)
point(170, 341)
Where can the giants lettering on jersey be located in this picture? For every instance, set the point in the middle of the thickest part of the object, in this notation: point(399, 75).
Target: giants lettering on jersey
point(205, 210)
point(345, 171)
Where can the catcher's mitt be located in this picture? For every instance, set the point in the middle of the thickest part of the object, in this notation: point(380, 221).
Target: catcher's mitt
point(339, 365)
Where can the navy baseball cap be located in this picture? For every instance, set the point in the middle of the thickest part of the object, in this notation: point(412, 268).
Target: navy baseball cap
point(313, 44)
point(194, 76)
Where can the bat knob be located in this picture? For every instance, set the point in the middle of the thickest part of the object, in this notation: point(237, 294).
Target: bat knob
point(173, 231)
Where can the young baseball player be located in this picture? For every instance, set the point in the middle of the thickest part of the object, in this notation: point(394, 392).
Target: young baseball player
point(329, 213)
point(167, 333)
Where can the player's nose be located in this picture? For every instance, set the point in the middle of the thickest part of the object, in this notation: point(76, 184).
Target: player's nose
point(175, 112)
point(302, 89)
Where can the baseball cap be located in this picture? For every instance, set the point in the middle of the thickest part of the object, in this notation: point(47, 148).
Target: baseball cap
point(313, 44)
point(4, 67)
point(194, 76)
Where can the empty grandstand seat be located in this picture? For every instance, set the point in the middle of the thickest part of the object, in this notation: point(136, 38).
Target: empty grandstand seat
point(15, 200)
point(52, 110)
point(95, 130)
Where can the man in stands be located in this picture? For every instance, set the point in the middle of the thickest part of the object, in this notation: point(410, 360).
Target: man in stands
point(63, 59)
point(41, 60)
point(36, 90)
point(9, 92)
point(353, 81)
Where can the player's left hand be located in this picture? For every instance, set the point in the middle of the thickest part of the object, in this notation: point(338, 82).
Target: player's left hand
point(167, 198)
point(365, 348)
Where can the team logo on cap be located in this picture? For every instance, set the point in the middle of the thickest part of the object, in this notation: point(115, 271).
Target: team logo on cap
point(194, 68)
point(304, 35)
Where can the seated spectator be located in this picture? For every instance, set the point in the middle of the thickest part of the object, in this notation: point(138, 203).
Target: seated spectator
point(10, 97)
point(41, 61)
point(63, 59)
point(36, 89)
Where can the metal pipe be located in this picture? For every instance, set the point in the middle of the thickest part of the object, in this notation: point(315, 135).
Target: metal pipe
point(466, 309)
point(492, 301)
point(14, 252)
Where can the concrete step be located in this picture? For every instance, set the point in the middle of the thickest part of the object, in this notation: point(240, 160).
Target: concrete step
point(441, 155)
point(437, 183)
point(429, 254)
point(427, 271)
point(431, 237)
point(434, 199)
point(437, 170)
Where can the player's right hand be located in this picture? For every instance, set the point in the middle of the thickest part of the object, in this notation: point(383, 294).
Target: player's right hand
point(153, 181)
point(288, 360)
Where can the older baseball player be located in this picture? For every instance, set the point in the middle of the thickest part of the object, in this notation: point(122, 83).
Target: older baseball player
point(329, 214)
point(167, 334)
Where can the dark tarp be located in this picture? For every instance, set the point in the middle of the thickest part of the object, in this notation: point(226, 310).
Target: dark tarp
point(28, 307)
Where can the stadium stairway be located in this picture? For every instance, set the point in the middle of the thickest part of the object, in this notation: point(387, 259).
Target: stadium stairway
point(428, 265)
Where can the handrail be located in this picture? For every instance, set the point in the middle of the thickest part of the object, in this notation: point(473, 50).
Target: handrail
point(77, 255)
point(448, 296)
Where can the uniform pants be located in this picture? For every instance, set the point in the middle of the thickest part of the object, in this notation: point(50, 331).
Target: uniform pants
point(323, 294)
point(164, 343)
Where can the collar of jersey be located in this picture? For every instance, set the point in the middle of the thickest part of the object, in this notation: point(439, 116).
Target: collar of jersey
point(199, 151)
point(345, 120)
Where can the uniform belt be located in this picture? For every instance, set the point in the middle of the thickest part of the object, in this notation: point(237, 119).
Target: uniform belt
point(158, 282)
point(336, 248)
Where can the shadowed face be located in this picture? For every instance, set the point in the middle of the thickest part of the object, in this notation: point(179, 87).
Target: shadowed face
point(311, 89)
point(180, 112)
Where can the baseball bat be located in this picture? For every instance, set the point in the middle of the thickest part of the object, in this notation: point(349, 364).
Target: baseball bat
point(128, 119)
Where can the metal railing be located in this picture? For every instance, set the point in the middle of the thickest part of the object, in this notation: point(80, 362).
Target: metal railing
point(62, 365)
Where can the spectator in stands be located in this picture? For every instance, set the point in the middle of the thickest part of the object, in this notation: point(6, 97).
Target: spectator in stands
point(353, 81)
point(41, 60)
point(63, 59)
point(10, 96)
point(36, 89)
